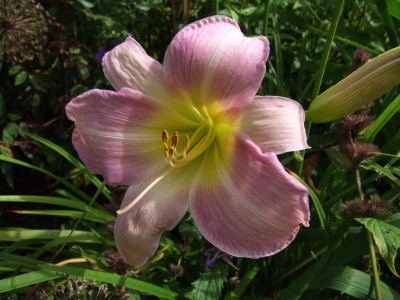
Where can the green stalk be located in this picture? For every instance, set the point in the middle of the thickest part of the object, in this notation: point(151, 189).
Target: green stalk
point(266, 14)
point(328, 45)
point(321, 70)
point(358, 179)
point(375, 273)
point(216, 6)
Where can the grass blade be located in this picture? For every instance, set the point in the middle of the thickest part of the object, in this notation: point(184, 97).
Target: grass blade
point(238, 291)
point(60, 213)
point(130, 283)
point(354, 283)
point(26, 279)
point(317, 204)
point(346, 41)
point(13, 235)
point(96, 181)
point(383, 118)
point(77, 204)
point(55, 177)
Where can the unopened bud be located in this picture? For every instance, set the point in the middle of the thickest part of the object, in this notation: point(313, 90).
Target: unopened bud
point(364, 85)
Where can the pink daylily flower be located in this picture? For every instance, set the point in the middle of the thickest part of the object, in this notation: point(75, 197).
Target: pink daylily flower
point(192, 134)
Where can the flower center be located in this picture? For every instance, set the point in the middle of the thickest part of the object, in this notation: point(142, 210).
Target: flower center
point(213, 129)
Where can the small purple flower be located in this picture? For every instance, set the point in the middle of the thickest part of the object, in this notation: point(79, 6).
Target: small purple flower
point(99, 55)
point(211, 259)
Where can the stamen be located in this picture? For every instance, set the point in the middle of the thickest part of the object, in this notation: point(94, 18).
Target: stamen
point(175, 139)
point(165, 136)
point(187, 143)
point(166, 150)
point(171, 150)
point(140, 196)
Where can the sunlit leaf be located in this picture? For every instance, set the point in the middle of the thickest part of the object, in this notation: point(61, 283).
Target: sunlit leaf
point(387, 239)
point(21, 78)
point(210, 283)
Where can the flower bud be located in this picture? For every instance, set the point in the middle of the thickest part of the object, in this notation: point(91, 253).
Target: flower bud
point(364, 85)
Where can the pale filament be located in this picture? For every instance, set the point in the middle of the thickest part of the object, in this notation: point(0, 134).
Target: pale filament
point(144, 192)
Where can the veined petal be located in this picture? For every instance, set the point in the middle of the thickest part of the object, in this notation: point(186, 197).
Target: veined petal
point(252, 208)
point(211, 61)
point(137, 231)
point(275, 124)
point(128, 65)
point(114, 135)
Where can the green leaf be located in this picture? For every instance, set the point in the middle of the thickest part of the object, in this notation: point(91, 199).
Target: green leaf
point(21, 78)
point(7, 168)
point(94, 260)
point(78, 89)
point(387, 239)
point(210, 283)
point(81, 60)
point(13, 235)
point(83, 71)
point(354, 283)
point(35, 100)
point(59, 179)
point(26, 279)
point(14, 70)
point(317, 204)
point(371, 165)
point(383, 118)
point(125, 281)
point(338, 158)
point(38, 82)
point(61, 213)
point(394, 8)
point(14, 117)
point(74, 50)
point(86, 3)
point(96, 181)
point(10, 132)
point(77, 204)
point(238, 291)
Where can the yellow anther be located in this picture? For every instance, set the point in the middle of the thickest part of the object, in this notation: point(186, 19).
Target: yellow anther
point(165, 136)
point(166, 150)
point(171, 151)
point(187, 143)
point(174, 139)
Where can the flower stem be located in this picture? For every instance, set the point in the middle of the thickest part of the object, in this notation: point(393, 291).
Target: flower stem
point(216, 6)
point(358, 179)
point(266, 13)
point(321, 69)
point(375, 273)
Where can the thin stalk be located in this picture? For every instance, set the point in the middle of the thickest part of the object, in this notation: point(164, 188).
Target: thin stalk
point(375, 273)
point(321, 69)
point(266, 14)
point(216, 6)
point(358, 179)
point(328, 45)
